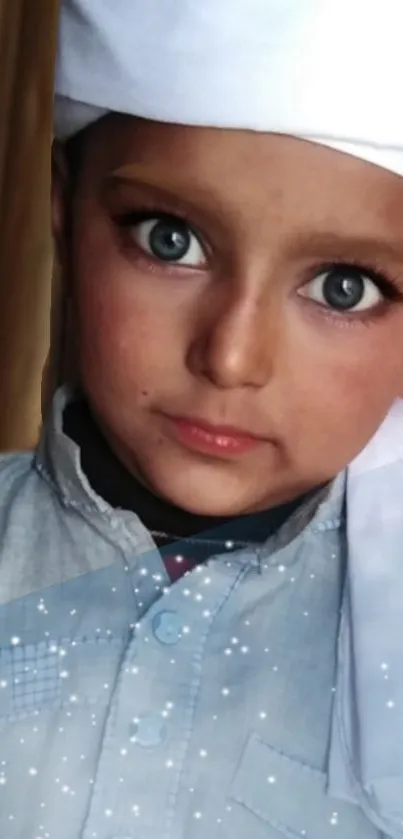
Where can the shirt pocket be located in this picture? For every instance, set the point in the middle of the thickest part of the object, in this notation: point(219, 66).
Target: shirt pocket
point(291, 797)
point(30, 679)
point(38, 677)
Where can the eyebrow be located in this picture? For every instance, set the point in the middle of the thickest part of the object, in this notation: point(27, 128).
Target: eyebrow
point(190, 196)
point(151, 176)
point(345, 246)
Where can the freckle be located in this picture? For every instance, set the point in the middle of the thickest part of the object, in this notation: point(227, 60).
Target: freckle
point(144, 392)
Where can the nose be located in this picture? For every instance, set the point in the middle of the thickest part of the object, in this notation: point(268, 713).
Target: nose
point(235, 344)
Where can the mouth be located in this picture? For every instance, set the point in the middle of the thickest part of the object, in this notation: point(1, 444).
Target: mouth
point(214, 440)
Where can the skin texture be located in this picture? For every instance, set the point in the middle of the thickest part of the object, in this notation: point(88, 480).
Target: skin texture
point(237, 340)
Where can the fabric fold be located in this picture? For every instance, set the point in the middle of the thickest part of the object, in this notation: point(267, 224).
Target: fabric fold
point(366, 750)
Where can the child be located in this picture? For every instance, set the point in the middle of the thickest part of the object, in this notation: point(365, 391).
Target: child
point(200, 572)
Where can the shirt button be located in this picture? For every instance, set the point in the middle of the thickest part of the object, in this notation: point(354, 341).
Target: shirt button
point(167, 627)
point(148, 731)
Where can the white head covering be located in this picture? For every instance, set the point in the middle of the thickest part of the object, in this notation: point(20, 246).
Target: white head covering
point(330, 71)
point(325, 70)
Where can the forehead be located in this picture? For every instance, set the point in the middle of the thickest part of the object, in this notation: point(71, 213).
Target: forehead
point(286, 175)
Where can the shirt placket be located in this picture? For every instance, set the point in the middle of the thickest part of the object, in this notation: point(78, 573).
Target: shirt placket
point(150, 724)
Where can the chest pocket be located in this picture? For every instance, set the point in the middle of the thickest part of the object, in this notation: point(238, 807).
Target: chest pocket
point(30, 678)
point(42, 676)
point(291, 797)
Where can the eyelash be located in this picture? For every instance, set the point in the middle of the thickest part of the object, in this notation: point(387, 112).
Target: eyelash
point(130, 219)
point(389, 286)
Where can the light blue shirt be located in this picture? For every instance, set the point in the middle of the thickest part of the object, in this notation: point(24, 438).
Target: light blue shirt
point(131, 708)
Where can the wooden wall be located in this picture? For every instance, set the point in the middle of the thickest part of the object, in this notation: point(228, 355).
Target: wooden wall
point(28, 34)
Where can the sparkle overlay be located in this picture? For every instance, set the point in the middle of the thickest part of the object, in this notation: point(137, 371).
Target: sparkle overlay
point(139, 700)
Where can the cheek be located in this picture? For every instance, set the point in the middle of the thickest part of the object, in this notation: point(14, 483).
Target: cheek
point(120, 342)
point(345, 387)
point(125, 329)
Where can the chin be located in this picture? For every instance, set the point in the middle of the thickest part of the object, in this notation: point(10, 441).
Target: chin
point(212, 491)
point(207, 487)
point(205, 505)
point(202, 497)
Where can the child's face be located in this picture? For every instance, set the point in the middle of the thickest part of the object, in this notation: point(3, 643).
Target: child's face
point(210, 270)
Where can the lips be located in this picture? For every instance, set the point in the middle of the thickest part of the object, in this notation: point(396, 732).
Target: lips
point(218, 440)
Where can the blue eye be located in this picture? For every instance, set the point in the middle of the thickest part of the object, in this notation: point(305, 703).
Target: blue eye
point(168, 240)
point(344, 289)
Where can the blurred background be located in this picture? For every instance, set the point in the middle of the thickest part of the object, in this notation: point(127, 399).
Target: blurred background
point(30, 305)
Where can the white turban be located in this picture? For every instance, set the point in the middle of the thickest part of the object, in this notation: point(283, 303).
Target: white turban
point(329, 71)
